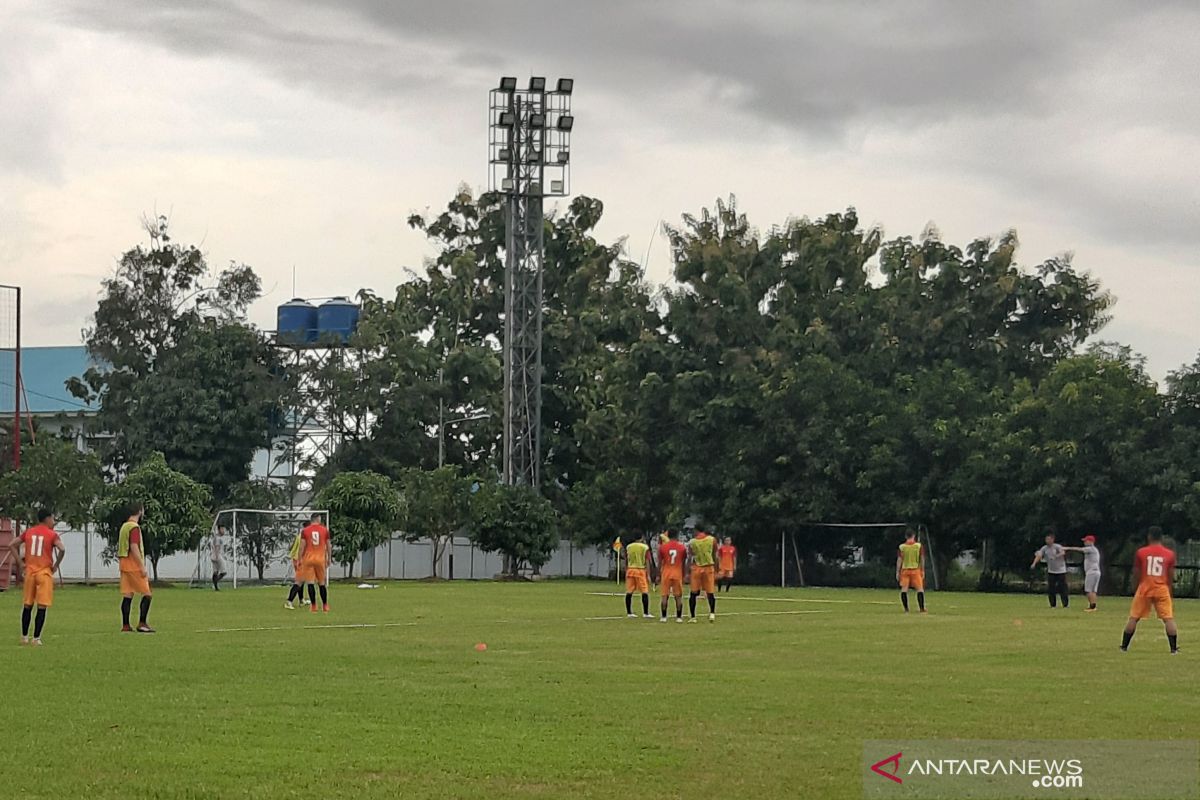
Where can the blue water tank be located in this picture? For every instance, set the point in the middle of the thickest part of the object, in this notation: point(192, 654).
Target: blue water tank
point(337, 319)
point(296, 322)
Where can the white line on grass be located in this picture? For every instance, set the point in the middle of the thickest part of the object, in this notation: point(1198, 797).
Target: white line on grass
point(309, 627)
point(726, 614)
point(725, 597)
point(269, 628)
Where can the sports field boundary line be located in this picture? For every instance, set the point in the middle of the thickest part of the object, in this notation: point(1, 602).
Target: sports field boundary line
point(344, 625)
point(723, 598)
point(719, 616)
point(415, 623)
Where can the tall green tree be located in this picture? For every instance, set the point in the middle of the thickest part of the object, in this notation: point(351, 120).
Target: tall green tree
point(1084, 449)
point(438, 506)
point(169, 335)
point(177, 509)
point(1179, 479)
point(517, 522)
point(365, 508)
point(208, 404)
point(55, 475)
point(432, 354)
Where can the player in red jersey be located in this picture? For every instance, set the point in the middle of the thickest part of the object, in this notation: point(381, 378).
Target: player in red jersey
point(1154, 568)
point(38, 552)
point(672, 555)
point(314, 561)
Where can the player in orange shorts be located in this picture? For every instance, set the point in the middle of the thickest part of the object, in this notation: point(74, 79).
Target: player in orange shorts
point(132, 561)
point(672, 555)
point(910, 570)
point(727, 560)
point(637, 563)
point(32, 553)
point(1154, 567)
point(703, 551)
point(314, 561)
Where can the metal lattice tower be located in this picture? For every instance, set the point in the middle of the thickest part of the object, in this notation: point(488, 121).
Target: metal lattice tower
point(529, 143)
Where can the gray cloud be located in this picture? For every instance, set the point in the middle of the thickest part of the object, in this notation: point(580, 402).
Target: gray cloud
point(1081, 119)
point(31, 123)
point(818, 73)
point(813, 67)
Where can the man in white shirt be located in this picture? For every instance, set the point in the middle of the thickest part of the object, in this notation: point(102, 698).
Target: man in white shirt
point(1056, 569)
point(1091, 568)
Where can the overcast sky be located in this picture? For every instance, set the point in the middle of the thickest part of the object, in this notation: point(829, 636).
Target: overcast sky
point(301, 134)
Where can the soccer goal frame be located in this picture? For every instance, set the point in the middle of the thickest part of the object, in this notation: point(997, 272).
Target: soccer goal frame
point(231, 514)
point(785, 537)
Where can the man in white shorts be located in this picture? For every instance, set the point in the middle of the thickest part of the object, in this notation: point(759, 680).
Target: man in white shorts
point(1091, 568)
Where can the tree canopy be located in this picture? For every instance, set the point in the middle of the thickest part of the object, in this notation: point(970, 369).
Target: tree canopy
point(177, 509)
point(54, 475)
point(178, 370)
point(365, 508)
point(807, 371)
point(811, 372)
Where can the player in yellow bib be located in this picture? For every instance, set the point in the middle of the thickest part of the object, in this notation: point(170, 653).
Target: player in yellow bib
point(910, 570)
point(296, 592)
point(637, 556)
point(702, 551)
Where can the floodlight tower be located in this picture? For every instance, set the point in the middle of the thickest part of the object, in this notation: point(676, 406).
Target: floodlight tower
point(528, 145)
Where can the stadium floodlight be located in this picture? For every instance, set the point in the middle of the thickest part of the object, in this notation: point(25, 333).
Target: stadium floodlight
point(529, 136)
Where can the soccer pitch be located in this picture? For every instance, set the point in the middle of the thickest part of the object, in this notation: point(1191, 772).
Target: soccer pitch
point(238, 697)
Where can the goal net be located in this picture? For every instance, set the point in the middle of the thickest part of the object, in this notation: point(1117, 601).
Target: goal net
point(849, 554)
point(250, 545)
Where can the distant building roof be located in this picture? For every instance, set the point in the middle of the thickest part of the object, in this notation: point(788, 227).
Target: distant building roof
point(46, 371)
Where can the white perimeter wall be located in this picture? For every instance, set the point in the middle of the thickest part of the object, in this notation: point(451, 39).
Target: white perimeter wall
point(396, 559)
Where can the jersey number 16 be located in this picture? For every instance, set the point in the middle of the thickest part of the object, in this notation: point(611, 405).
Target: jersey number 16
point(1154, 566)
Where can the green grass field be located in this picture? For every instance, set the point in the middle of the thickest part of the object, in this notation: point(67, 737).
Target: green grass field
point(569, 700)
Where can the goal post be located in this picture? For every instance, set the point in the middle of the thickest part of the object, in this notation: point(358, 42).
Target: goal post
point(847, 553)
point(256, 543)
